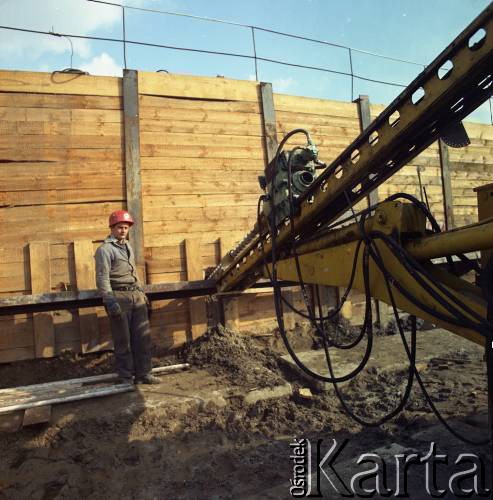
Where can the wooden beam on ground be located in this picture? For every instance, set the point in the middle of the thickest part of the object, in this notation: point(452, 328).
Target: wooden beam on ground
point(44, 331)
point(85, 276)
point(198, 313)
point(132, 165)
point(36, 415)
point(448, 198)
point(37, 398)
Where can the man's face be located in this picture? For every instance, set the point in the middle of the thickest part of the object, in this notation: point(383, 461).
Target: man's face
point(120, 230)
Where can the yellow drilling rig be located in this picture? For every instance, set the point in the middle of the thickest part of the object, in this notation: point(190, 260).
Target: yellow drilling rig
point(308, 231)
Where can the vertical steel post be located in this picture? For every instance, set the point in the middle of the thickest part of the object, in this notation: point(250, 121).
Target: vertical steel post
point(255, 53)
point(352, 74)
point(124, 33)
point(448, 198)
point(364, 113)
point(270, 134)
point(489, 371)
point(132, 163)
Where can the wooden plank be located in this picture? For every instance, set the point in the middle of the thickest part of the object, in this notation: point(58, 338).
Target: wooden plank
point(198, 214)
point(323, 143)
point(158, 177)
point(171, 103)
point(158, 240)
point(16, 354)
point(112, 193)
point(14, 334)
point(59, 83)
point(308, 121)
point(85, 280)
point(183, 127)
point(198, 314)
point(209, 164)
point(132, 165)
point(26, 100)
point(61, 154)
point(61, 128)
point(448, 198)
point(205, 140)
point(59, 236)
point(44, 334)
point(49, 141)
point(173, 200)
point(167, 276)
point(65, 168)
point(200, 151)
point(159, 227)
point(36, 415)
point(346, 131)
point(200, 116)
point(325, 107)
point(166, 84)
point(79, 180)
point(201, 188)
point(91, 116)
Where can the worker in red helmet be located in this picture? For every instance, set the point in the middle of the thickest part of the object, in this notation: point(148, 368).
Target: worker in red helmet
point(125, 302)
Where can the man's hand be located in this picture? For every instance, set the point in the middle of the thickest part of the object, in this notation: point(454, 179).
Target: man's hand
point(114, 309)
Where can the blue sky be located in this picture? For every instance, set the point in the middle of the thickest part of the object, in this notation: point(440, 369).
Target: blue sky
point(414, 30)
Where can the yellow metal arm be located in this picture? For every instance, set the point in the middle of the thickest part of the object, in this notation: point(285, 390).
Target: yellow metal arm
point(333, 264)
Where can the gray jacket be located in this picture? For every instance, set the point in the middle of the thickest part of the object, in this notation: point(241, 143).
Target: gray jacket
point(115, 267)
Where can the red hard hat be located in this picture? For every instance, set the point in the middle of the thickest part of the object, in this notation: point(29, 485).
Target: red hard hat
point(120, 216)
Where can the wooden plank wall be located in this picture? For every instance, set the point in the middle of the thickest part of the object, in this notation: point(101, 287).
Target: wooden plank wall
point(201, 153)
point(61, 173)
point(202, 148)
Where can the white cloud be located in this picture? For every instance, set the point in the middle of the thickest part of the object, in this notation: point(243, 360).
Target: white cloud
point(65, 16)
point(78, 17)
point(102, 64)
point(283, 84)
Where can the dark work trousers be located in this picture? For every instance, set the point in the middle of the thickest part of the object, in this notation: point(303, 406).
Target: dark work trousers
point(131, 335)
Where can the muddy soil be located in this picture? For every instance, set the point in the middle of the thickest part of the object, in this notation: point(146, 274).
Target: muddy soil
point(238, 450)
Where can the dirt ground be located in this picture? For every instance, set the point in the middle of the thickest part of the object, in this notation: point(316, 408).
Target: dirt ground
point(119, 447)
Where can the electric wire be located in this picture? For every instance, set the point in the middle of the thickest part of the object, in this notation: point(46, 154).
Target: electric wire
point(259, 28)
point(460, 313)
point(203, 51)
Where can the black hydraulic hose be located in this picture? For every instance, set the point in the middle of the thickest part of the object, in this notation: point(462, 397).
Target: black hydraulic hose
point(415, 269)
point(296, 359)
point(417, 375)
point(311, 313)
point(297, 311)
point(370, 250)
point(379, 261)
point(278, 302)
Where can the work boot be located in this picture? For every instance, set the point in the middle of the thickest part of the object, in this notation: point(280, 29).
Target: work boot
point(148, 379)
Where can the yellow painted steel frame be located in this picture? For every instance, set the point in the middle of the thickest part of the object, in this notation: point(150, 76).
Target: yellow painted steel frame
point(368, 162)
point(333, 265)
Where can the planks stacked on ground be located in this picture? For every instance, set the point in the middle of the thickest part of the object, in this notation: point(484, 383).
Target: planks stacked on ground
point(201, 148)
